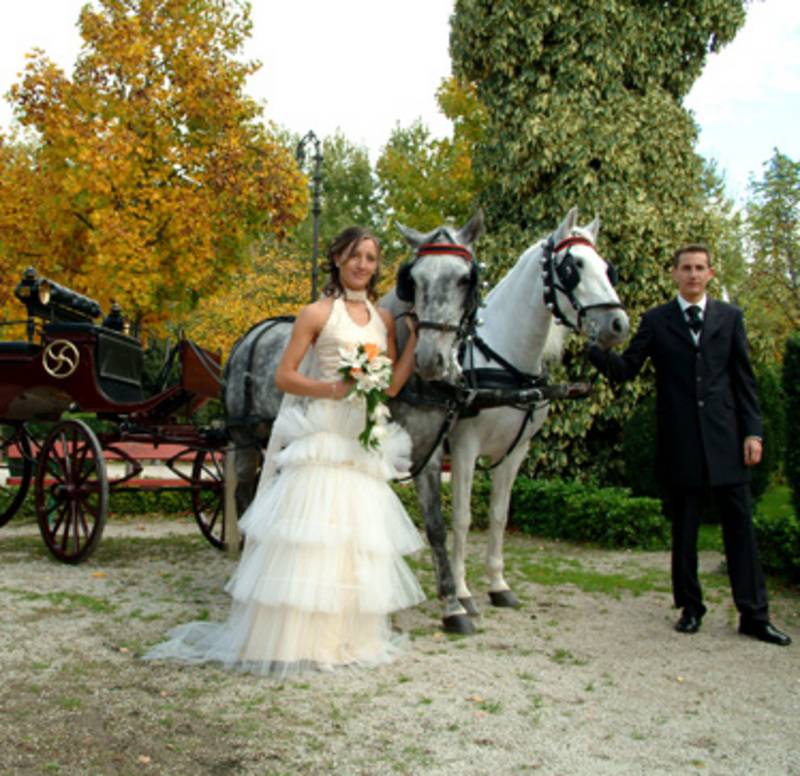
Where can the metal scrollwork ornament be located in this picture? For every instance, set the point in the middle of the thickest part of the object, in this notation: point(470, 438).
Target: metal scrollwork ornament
point(60, 359)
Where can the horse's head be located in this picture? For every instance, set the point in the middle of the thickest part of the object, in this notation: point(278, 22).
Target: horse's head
point(440, 283)
point(579, 283)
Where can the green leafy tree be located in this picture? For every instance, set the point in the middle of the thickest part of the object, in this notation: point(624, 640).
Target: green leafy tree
point(427, 181)
point(773, 231)
point(583, 106)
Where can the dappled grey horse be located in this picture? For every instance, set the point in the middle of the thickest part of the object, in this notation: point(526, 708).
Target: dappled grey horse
point(439, 294)
point(559, 280)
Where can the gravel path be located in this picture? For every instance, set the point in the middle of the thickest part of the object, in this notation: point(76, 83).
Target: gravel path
point(588, 677)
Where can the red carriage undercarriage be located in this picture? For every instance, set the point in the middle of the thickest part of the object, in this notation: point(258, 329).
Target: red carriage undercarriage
point(69, 364)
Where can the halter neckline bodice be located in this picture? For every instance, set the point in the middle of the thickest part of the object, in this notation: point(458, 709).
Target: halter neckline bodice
point(341, 331)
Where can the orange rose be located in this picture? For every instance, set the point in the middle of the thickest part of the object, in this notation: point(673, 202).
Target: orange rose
point(371, 350)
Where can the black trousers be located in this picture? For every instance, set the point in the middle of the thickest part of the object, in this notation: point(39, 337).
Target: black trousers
point(733, 502)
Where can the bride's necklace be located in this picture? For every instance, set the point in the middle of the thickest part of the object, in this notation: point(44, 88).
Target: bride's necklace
point(352, 295)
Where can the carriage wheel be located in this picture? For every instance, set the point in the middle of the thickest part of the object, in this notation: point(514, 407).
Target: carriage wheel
point(71, 491)
point(14, 439)
point(208, 495)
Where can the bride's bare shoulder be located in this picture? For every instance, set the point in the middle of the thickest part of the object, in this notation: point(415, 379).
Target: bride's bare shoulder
point(314, 316)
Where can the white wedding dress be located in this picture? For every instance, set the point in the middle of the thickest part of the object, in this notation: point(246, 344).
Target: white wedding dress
point(324, 539)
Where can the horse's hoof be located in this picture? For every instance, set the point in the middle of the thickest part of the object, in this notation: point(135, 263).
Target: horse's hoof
point(469, 604)
point(504, 598)
point(458, 623)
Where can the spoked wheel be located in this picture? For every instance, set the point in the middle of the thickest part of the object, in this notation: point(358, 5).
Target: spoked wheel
point(71, 491)
point(208, 495)
point(16, 469)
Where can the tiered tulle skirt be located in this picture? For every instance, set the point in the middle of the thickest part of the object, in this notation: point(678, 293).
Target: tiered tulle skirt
point(322, 565)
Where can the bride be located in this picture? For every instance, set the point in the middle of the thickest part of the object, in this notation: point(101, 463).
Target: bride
point(322, 566)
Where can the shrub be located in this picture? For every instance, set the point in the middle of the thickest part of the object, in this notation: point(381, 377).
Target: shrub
point(611, 517)
point(791, 388)
point(778, 537)
point(639, 449)
point(771, 397)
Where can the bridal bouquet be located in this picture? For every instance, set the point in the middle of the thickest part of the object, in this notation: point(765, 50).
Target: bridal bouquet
point(371, 373)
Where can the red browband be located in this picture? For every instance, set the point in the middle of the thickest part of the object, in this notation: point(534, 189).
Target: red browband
point(443, 248)
point(570, 241)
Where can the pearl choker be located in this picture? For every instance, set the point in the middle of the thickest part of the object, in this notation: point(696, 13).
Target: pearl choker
point(352, 295)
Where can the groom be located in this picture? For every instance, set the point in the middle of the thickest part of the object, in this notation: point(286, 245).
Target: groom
point(709, 434)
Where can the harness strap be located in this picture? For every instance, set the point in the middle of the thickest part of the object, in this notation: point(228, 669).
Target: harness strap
point(525, 420)
point(523, 378)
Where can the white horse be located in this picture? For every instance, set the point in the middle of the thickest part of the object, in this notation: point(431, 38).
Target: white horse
point(559, 280)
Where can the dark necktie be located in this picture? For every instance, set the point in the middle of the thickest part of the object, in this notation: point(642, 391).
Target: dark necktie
point(694, 318)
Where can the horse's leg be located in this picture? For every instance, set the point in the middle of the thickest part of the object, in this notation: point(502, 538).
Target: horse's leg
point(428, 482)
point(503, 477)
point(246, 459)
point(463, 454)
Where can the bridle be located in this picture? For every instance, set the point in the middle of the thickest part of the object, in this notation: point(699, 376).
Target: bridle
point(564, 276)
point(467, 322)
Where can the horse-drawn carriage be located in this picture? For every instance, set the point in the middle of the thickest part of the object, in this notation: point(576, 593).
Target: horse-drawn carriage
point(71, 363)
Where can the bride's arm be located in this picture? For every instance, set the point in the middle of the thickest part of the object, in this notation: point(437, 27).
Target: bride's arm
point(404, 365)
point(307, 327)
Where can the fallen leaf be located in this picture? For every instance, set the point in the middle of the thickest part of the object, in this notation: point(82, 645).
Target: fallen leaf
point(680, 679)
point(143, 759)
point(124, 650)
point(99, 574)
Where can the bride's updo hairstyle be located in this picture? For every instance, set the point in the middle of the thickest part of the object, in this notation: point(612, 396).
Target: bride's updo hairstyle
point(342, 248)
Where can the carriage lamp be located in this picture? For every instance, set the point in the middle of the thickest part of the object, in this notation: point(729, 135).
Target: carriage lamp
point(46, 299)
point(65, 303)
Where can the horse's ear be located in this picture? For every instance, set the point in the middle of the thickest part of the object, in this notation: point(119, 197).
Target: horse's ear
point(594, 228)
point(413, 237)
point(567, 225)
point(473, 229)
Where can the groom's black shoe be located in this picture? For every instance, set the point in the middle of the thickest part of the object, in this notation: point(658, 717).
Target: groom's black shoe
point(688, 623)
point(763, 630)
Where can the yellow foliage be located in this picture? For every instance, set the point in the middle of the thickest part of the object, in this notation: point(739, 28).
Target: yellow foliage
point(275, 283)
point(151, 173)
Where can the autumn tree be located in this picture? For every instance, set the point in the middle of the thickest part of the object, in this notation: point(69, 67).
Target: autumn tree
point(583, 106)
point(151, 174)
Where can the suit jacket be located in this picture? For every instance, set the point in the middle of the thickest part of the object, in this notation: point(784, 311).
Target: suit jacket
point(706, 399)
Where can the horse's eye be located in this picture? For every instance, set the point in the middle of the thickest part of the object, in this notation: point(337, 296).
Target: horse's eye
point(579, 263)
point(463, 281)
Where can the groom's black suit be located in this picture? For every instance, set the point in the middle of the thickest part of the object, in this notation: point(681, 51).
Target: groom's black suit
point(706, 405)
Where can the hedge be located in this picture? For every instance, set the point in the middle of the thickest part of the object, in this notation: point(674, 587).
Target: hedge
point(610, 517)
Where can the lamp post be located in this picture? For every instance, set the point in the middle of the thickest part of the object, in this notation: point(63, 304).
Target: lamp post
point(316, 208)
